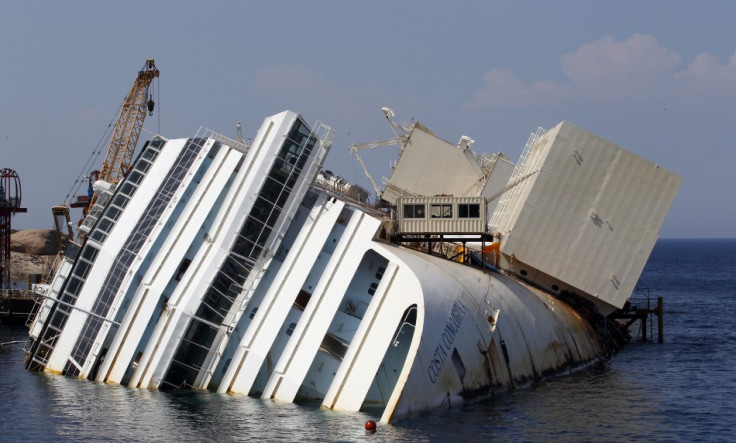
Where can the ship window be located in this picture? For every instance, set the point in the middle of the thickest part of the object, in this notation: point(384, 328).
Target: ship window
point(372, 289)
point(143, 166)
point(214, 149)
point(468, 210)
point(253, 313)
point(290, 329)
point(243, 247)
point(135, 177)
point(208, 310)
point(74, 286)
point(413, 211)
point(183, 268)
point(302, 299)
point(81, 269)
point(128, 189)
point(271, 190)
point(89, 253)
point(234, 290)
point(287, 157)
point(441, 211)
point(96, 210)
point(120, 201)
point(156, 142)
point(98, 236)
point(380, 272)
point(105, 225)
point(113, 213)
point(149, 154)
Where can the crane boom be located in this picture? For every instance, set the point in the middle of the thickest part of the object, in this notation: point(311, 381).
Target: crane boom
point(401, 133)
point(128, 127)
point(370, 145)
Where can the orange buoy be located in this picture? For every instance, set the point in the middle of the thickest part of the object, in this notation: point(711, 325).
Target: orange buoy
point(370, 425)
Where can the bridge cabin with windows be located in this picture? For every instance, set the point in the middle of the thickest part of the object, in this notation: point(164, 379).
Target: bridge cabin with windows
point(441, 219)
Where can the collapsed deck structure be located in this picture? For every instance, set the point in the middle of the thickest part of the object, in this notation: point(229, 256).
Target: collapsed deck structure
point(244, 269)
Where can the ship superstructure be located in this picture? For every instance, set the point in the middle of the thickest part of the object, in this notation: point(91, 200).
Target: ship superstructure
point(230, 267)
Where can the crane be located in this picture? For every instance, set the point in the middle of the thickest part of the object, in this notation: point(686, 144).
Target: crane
point(128, 127)
point(401, 133)
point(120, 150)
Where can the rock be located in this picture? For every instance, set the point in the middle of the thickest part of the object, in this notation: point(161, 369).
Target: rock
point(35, 242)
point(23, 265)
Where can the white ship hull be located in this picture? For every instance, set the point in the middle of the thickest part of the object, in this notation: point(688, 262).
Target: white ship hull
point(223, 268)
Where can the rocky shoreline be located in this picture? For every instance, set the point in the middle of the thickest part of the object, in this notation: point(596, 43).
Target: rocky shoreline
point(32, 256)
point(33, 253)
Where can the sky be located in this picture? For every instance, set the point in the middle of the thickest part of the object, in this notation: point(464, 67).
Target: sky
point(655, 77)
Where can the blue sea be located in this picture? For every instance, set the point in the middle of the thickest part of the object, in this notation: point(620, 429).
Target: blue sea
point(681, 390)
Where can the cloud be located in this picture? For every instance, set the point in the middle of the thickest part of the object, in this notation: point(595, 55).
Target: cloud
point(503, 88)
point(608, 70)
point(707, 74)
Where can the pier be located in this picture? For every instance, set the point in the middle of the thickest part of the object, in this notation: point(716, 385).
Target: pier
point(640, 308)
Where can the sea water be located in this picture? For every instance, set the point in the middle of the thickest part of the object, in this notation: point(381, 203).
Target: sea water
point(681, 390)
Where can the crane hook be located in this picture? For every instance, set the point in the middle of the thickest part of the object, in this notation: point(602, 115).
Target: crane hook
point(150, 105)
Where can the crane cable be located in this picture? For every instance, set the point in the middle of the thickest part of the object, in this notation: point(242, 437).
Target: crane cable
point(92, 159)
point(158, 102)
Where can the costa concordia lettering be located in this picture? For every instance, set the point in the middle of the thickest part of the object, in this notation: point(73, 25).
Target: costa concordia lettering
point(247, 269)
point(448, 338)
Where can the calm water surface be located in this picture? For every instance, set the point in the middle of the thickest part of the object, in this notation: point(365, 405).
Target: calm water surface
point(682, 390)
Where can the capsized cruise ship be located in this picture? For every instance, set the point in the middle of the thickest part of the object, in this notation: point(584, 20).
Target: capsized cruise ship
point(246, 269)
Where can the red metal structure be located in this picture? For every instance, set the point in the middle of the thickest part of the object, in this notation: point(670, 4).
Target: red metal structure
point(10, 200)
